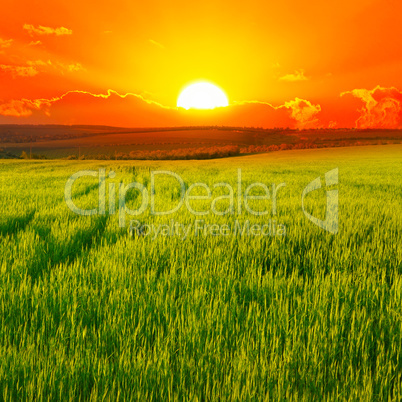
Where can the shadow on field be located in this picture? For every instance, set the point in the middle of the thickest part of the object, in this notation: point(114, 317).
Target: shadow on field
point(56, 253)
point(16, 224)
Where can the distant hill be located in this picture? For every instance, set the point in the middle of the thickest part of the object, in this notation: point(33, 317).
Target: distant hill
point(57, 141)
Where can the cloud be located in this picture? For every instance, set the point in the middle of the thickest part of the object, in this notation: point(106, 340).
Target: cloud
point(35, 43)
point(41, 30)
point(4, 43)
point(34, 67)
point(26, 107)
point(382, 107)
point(298, 75)
point(133, 110)
point(17, 108)
point(19, 71)
point(157, 44)
point(38, 63)
point(303, 112)
point(379, 107)
point(74, 67)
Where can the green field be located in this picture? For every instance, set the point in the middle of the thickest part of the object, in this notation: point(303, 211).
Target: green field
point(90, 312)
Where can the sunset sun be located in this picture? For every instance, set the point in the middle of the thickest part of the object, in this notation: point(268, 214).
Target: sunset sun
point(202, 95)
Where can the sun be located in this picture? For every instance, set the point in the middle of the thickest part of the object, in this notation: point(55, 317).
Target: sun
point(202, 95)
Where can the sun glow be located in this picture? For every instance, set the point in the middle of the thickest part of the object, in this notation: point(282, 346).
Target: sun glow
point(202, 95)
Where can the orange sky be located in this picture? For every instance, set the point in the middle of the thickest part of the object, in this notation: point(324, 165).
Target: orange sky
point(290, 63)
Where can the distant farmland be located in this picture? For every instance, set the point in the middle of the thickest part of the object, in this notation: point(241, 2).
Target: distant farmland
point(63, 141)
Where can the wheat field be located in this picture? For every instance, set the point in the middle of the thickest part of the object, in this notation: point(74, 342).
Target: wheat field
point(92, 311)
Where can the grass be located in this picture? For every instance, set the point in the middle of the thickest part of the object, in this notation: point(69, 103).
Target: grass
point(88, 312)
